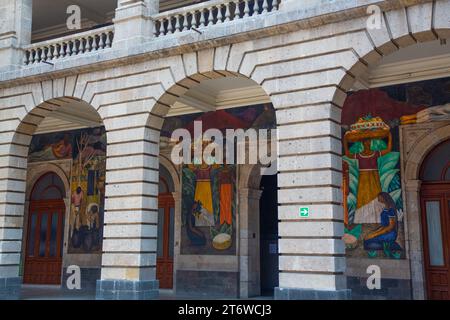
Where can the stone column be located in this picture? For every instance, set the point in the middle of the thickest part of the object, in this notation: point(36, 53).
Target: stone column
point(15, 32)
point(177, 234)
point(249, 260)
point(412, 201)
point(13, 172)
point(311, 252)
point(132, 23)
point(131, 213)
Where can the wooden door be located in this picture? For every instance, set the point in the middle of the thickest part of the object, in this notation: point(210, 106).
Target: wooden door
point(43, 258)
point(164, 261)
point(435, 203)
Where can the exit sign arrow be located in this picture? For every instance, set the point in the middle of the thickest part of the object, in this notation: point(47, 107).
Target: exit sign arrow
point(304, 212)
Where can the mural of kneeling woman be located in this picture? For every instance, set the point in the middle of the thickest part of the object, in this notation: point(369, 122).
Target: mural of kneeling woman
point(384, 237)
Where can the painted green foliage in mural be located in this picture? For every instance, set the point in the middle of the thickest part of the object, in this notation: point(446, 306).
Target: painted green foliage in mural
point(372, 189)
point(208, 224)
point(388, 167)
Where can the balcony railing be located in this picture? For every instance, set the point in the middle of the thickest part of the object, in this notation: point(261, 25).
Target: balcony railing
point(76, 44)
point(210, 13)
point(187, 18)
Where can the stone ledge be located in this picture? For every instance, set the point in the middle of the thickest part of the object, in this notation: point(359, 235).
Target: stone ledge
point(10, 288)
point(127, 290)
point(311, 294)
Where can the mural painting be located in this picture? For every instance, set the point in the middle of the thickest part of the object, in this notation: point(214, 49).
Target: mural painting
point(48, 147)
point(209, 192)
point(372, 193)
point(209, 209)
point(86, 149)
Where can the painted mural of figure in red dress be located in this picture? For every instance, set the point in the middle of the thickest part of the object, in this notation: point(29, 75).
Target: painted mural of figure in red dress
point(369, 185)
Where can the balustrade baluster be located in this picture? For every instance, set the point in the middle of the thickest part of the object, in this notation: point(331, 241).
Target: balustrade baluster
point(227, 12)
point(265, 6)
point(186, 21)
point(219, 14)
point(61, 50)
point(108, 40)
point(170, 28)
point(211, 16)
point(257, 7)
point(94, 42)
point(202, 18)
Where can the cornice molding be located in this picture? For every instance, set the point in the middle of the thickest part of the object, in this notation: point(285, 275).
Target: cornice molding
point(270, 24)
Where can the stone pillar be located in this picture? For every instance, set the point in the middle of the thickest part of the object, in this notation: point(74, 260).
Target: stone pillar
point(177, 233)
point(13, 172)
point(249, 260)
point(15, 32)
point(131, 213)
point(311, 252)
point(132, 23)
point(415, 242)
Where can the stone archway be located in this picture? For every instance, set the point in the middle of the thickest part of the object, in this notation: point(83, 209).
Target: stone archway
point(35, 172)
point(402, 28)
point(19, 130)
point(421, 142)
point(229, 265)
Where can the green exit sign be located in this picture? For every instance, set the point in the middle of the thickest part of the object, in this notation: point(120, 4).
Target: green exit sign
point(304, 212)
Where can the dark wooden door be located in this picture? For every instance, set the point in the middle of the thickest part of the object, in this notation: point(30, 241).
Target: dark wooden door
point(43, 259)
point(164, 261)
point(435, 203)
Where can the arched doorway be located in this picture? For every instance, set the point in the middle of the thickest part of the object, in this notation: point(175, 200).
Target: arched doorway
point(44, 244)
point(435, 205)
point(166, 221)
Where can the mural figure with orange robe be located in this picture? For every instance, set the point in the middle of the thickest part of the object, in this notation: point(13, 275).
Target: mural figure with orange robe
point(226, 196)
point(203, 194)
point(363, 134)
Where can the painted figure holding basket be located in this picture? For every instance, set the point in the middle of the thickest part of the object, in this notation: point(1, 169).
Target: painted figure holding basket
point(363, 135)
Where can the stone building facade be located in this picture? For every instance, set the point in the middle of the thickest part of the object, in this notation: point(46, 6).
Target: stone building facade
point(89, 114)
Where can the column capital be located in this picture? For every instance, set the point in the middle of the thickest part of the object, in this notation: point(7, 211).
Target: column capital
point(250, 193)
point(413, 185)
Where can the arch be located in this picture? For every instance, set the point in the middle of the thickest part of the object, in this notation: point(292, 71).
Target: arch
point(17, 140)
point(31, 120)
point(250, 176)
point(437, 162)
point(44, 189)
point(422, 149)
point(37, 173)
point(177, 90)
point(169, 166)
point(400, 28)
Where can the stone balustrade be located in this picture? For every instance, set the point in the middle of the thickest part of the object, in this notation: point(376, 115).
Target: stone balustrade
point(76, 44)
point(210, 13)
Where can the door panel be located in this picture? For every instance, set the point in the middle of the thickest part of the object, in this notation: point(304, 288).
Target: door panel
point(436, 234)
point(164, 261)
point(43, 261)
